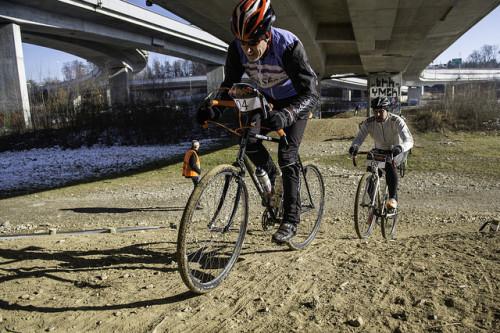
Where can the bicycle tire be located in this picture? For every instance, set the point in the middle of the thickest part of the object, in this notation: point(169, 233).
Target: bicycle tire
point(210, 237)
point(402, 168)
point(389, 219)
point(365, 216)
point(311, 207)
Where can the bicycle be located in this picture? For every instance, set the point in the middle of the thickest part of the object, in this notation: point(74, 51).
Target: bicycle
point(210, 237)
point(371, 198)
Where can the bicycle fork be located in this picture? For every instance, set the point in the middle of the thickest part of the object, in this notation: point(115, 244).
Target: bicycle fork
point(374, 196)
point(302, 181)
point(227, 227)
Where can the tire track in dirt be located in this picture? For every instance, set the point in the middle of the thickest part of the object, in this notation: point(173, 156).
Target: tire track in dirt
point(438, 274)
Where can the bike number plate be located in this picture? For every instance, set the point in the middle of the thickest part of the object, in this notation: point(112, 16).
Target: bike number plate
point(247, 104)
point(379, 164)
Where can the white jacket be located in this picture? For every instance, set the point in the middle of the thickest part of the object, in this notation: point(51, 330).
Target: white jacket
point(391, 132)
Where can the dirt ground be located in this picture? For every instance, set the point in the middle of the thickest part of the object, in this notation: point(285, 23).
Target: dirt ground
point(439, 274)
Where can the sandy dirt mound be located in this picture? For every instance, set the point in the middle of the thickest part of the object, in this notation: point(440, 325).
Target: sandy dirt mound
point(439, 274)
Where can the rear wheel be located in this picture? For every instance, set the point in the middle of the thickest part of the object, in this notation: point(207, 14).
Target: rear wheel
point(312, 202)
point(365, 215)
point(212, 229)
point(402, 168)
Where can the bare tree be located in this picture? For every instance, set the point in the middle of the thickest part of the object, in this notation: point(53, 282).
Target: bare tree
point(166, 69)
point(486, 57)
point(489, 53)
point(76, 69)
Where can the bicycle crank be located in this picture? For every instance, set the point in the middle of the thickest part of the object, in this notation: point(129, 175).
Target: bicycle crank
point(268, 223)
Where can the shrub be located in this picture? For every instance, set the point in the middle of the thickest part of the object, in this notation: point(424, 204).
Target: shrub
point(470, 106)
point(428, 120)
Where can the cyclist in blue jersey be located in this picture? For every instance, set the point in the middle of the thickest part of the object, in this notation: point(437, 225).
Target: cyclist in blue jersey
point(276, 63)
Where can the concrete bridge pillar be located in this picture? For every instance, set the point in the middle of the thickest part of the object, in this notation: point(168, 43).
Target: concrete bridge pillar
point(384, 84)
point(119, 89)
point(317, 112)
point(346, 95)
point(414, 93)
point(215, 76)
point(13, 89)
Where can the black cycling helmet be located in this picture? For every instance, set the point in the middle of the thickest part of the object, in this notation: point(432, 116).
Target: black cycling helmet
point(252, 19)
point(380, 102)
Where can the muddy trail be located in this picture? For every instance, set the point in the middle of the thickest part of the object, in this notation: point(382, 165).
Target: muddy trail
point(439, 274)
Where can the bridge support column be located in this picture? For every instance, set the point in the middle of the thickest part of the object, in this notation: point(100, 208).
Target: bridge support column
point(414, 93)
point(13, 89)
point(215, 76)
point(346, 95)
point(385, 84)
point(119, 86)
point(317, 111)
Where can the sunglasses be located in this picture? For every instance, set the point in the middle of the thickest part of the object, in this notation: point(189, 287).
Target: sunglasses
point(250, 43)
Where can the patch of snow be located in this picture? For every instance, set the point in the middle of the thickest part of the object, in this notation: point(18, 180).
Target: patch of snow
point(52, 167)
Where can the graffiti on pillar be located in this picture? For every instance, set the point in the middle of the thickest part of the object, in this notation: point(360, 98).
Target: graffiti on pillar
point(315, 113)
point(390, 87)
point(385, 86)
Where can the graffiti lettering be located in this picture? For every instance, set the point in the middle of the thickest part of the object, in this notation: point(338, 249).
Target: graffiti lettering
point(383, 91)
point(389, 87)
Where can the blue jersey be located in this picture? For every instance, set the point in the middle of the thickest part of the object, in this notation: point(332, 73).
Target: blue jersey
point(283, 73)
point(268, 73)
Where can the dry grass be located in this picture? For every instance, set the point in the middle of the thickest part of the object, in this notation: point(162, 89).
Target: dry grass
point(467, 107)
point(332, 128)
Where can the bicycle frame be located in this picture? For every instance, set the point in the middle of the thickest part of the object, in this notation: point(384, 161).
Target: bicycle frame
point(242, 159)
point(246, 166)
point(374, 168)
point(372, 197)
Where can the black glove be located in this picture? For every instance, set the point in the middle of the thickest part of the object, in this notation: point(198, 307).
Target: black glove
point(204, 113)
point(353, 151)
point(276, 120)
point(396, 150)
point(222, 95)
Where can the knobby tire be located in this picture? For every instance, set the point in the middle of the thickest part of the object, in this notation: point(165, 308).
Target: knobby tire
point(365, 216)
point(389, 220)
point(212, 229)
point(312, 202)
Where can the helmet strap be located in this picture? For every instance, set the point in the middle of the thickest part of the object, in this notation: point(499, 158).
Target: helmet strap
point(268, 37)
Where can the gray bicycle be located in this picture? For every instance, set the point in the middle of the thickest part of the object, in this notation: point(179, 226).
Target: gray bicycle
point(370, 205)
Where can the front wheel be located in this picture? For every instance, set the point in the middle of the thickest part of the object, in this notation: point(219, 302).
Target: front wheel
point(312, 202)
point(389, 220)
point(212, 229)
point(364, 206)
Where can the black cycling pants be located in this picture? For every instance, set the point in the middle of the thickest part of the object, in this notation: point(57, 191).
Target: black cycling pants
point(391, 175)
point(287, 159)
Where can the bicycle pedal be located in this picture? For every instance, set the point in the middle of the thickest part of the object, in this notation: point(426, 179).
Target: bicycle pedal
point(391, 211)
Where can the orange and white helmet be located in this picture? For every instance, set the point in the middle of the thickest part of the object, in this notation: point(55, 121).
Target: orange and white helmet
point(252, 19)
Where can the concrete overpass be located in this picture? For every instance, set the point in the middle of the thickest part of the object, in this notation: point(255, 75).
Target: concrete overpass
point(386, 41)
point(349, 86)
point(446, 76)
point(114, 35)
point(430, 77)
point(355, 36)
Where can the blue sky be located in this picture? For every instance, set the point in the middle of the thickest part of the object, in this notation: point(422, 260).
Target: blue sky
point(42, 63)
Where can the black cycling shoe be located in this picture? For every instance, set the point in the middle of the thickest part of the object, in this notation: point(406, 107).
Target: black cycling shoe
point(285, 232)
